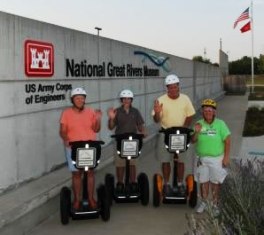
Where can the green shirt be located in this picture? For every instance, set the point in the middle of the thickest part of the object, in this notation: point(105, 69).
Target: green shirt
point(210, 141)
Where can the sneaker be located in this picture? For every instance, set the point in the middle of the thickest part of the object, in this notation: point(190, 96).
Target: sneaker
point(134, 187)
point(120, 187)
point(167, 189)
point(182, 189)
point(216, 211)
point(200, 209)
point(76, 206)
point(92, 204)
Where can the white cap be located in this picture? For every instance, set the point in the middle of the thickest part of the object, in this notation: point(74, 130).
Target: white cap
point(126, 94)
point(78, 91)
point(171, 79)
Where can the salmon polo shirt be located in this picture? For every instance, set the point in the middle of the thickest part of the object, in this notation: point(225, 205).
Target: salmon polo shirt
point(79, 124)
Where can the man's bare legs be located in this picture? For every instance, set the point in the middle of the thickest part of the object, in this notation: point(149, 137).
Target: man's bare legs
point(166, 170)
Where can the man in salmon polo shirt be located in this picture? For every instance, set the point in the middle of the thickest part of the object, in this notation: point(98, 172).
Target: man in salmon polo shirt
point(79, 123)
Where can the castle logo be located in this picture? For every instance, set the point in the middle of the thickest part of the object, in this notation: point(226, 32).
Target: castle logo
point(39, 59)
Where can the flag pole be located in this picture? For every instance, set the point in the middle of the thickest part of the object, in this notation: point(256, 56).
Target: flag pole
point(252, 49)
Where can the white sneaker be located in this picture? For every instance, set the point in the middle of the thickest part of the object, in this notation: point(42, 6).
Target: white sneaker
point(200, 209)
point(216, 211)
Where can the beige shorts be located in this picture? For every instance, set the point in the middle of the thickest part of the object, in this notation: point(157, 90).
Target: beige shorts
point(163, 154)
point(121, 162)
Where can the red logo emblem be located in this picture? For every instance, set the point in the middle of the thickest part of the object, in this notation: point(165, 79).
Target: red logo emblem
point(39, 59)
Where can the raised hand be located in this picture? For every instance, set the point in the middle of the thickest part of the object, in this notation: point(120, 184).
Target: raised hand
point(111, 113)
point(157, 107)
point(197, 127)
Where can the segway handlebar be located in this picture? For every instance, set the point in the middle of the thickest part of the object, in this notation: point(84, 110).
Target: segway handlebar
point(127, 135)
point(174, 129)
point(93, 142)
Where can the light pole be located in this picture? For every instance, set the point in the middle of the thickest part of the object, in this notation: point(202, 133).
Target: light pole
point(98, 45)
point(98, 30)
point(98, 53)
point(205, 53)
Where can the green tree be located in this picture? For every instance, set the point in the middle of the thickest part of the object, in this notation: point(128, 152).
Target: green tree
point(201, 59)
point(261, 64)
point(243, 65)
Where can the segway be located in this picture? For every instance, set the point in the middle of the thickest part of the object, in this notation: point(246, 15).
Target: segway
point(176, 140)
point(85, 155)
point(128, 146)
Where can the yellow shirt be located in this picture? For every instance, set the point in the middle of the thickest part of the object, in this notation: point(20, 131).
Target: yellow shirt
point(175, 111)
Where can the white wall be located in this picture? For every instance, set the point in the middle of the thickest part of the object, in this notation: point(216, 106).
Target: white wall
point(30, 144)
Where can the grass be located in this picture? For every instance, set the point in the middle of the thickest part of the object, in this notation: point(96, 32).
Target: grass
point(254, 125)
point(258, 80)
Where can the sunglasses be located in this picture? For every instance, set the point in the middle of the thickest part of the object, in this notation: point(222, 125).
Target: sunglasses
point(208, 109)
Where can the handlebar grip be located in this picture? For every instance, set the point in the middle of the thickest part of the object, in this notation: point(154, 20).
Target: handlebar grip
point(87, 141)
point(184, 130)
point(126, 135)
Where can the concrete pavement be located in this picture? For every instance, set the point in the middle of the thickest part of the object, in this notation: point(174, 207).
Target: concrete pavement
point(125, 218)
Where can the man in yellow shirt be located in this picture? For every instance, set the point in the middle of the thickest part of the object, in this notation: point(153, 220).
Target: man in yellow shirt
point(172, 109)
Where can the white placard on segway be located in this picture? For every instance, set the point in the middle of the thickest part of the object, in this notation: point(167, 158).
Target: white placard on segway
point(129, 148)
point(85, 157)
point(177, 142)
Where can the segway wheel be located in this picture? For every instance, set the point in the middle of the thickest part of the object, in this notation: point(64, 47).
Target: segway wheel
point(104, 203)
point(65, 205)
point(157, 189)
point(110, 187)
point(143, 184)
point(193, 196)
point(191, 190)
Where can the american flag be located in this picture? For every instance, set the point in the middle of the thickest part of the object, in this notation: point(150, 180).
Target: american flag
point(243, 16)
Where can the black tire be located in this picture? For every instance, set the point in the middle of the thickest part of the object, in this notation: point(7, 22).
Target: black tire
point(104, 203)
point(193, 196)
point(110, 187)
point(65, 205)
point(156, 193)
point(143, 184)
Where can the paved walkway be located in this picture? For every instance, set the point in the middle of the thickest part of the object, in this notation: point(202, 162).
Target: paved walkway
point(135, 218)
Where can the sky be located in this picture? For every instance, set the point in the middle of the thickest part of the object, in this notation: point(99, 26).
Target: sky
point(184, 28)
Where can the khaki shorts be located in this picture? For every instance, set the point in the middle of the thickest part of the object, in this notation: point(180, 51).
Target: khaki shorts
point(163, 154)
point(121, 162)
point(210, 169)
